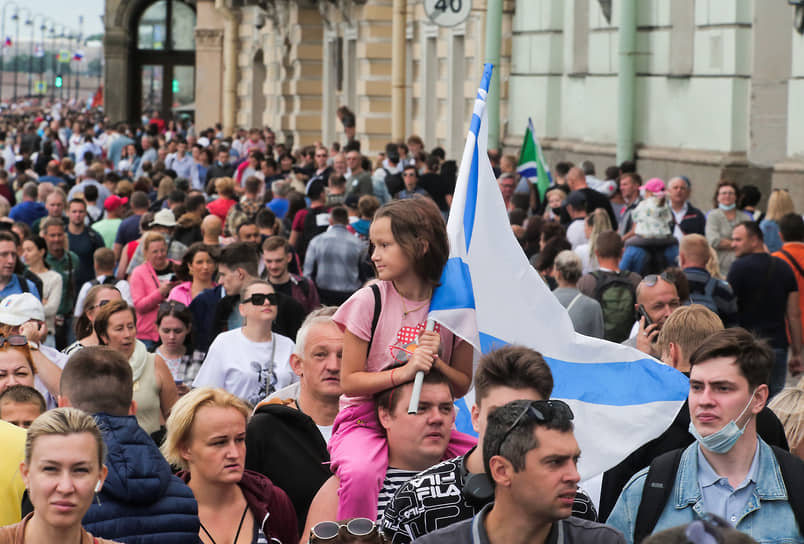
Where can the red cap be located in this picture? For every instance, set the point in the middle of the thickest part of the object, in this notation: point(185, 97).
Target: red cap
point(113, 202)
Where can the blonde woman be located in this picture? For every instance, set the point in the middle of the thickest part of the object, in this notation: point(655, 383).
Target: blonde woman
point(63, 469)
point(206, 437)
point(788, 406)
point(594, 224)
point(779, 205)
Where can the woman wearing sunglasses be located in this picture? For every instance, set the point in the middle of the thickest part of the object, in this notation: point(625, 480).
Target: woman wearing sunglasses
point(154, 388)
point(251, 362)
point(206, 437)
point(16, 364)
point(97, 297)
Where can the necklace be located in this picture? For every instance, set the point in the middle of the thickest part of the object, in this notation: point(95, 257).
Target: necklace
point(405, 310)
point(237, 534)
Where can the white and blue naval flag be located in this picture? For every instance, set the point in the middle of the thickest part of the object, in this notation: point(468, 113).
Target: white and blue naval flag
point(491, 296)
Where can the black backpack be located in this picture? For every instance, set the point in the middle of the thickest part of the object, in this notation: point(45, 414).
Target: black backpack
point(315, 222)
point(108, 280)
point(662, 476)
point(617, 297)
point(707, 297)
point(393, 182)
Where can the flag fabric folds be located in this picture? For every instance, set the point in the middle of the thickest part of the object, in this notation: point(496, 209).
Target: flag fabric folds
point(491, 296)
point(532, 164)
point(78, 55)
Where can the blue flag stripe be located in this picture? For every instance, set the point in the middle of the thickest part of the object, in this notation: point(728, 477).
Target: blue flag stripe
point(471, 202)
point(618, 384)
point(460, 294)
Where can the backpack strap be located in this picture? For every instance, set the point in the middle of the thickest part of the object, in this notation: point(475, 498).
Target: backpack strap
point(573, 301)
point(792, 469)
point(23, 283)
point(658, 485)
point(376, 317)
point(793, 261)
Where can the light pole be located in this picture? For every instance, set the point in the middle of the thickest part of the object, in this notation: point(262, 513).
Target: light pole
point(28, 22)
point(16, 19)
point(32, 22)
point(78, 41)
point(43, 58)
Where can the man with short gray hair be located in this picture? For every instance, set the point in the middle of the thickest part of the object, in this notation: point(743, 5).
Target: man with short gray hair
point(687, 218)
point(287, 437)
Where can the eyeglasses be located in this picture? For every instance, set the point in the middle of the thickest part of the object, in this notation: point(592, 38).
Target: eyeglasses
point(329, 530)
point(100, 304)
point(540, 410)
point(652, 279)
point(15, 340)
point(258, 299)
point(171, 304)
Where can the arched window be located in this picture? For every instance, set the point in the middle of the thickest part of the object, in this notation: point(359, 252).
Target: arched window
point(164, 59)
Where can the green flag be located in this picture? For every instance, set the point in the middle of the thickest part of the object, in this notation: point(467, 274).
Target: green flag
point(532, 164)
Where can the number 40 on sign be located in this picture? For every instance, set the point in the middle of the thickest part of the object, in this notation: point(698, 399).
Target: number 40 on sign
point(447, 12)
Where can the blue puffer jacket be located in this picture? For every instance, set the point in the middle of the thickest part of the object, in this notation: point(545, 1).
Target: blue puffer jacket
point(141, 502)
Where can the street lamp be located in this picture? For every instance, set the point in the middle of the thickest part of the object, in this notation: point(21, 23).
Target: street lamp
point(32, 22)
point(28, 22)
point(3, 37)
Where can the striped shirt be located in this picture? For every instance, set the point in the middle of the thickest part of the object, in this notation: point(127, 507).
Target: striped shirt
point(394, 478)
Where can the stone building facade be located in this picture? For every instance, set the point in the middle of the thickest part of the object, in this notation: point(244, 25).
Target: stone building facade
point(716, 88)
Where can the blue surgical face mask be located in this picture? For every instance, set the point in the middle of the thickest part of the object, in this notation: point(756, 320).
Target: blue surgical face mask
point(727, 207)
point(723, 440)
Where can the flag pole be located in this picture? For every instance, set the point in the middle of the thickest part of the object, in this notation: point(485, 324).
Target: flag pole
point(413, 407)
point(488, 71)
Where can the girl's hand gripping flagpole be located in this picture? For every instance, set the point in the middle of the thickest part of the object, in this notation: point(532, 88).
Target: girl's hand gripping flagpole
point(413, 407)
point(469, 162)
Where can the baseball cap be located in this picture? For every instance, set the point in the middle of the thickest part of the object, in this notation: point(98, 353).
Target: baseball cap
point(113, 202)
point(576, 199)
point(17, 309)
point(654, 185)
point(164, 218)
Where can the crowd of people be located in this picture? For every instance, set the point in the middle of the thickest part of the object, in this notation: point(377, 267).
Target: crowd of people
point(214, 337)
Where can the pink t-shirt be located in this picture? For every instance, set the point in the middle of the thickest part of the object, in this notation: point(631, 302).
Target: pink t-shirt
point(394, 328)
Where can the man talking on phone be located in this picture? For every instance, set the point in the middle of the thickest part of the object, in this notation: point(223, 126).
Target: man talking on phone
point(656, 298)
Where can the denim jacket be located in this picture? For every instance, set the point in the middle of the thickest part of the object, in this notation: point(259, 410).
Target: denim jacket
point(767, 517)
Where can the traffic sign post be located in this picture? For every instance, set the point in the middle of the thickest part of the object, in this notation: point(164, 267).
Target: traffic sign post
point(447, 12)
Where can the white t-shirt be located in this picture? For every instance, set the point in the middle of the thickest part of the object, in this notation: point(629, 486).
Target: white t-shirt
point(244, 368)
point(576, 235)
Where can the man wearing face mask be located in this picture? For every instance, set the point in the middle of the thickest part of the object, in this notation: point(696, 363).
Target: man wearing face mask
point(729, 470)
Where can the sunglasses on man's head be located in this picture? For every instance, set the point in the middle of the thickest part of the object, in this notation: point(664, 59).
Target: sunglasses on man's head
point(258, 299)
point(545, 411)
point(652, 279)
point(13, 340)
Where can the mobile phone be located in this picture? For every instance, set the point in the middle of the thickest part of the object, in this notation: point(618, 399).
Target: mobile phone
point(641, 312)
point(172, 278)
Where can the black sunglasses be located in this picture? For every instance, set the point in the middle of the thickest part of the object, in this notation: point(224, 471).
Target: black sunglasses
point(329, 530)
point(171, 304)
point(13, 340)
point(258, 299)
point(540, 410)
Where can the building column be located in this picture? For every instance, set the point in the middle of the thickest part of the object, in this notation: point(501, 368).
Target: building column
point(116, 74)
point(303, 87)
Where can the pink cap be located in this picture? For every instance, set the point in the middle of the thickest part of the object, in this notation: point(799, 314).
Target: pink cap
point(654, 185)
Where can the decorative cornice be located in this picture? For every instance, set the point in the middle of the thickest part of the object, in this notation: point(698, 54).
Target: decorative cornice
point(210, 38)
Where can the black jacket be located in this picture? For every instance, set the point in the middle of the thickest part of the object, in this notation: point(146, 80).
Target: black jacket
point(285, 445)
point(676, 436)
point(693, 222)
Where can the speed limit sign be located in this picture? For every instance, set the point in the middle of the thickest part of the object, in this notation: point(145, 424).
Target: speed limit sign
point(447, 12)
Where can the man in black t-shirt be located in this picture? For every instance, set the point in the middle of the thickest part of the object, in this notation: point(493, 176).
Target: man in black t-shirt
point(435, 184)
point(594, 200)
point(767, 295)
point(439, 497)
